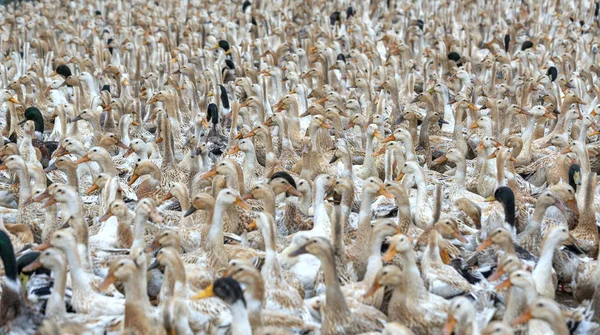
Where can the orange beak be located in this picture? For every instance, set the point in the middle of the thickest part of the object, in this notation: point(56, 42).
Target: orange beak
point(473, 107)
point(49, 203)
point(449, 326)
point(167, 197)
point(134, 177)
point(110, 279)
point(459, 236)
point(372, 289)
point(13, 100)
point(291, 190)
point(485, 244)
point(91, 189)
point(129, 152)
point(209, 174)
point(83, 159)
point(523, 318)
point(377, 135)
point(159, 140)
point(242, 203)
point(326, 125)
point(42, 246)
point(384, 192)
point(33, 266)
point(252, 225)
point(106, 216)
point(234, 150)
point(440, 160)
point(391, 252)
point(135, 123)
point(503, 285)
point(349, 125)
point(400, 176)
point(566, 150)
point(389, 139)
point(474, 125)
point(497, 274)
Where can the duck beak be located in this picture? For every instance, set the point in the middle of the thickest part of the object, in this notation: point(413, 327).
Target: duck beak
point(134, 177)
point(550, 115)
point(167, 197)
point(390, 253)
point(372, 289)
point(42, 247)
point(573, 206)
point(13, 100)
point(248, 196)
point(497, 274)
point(384, 192)
point(28, 202)
point(459, 236)
point(252, 225)
point(33, 266)
point(326, 125)
point(300, 251)
point(473, 107)
point(389, 139)
point(490, 198)
point(524, 317)
point(49, 203)
point(242, 203)
point(206, 293)
point(250, 134)
point(91, 189)
point(503, 285)
point(377, 135)
point(493, 155)
point(51, 167)
point(349, 125)
point(106, 216)
point(159, 140)
point(121, 145)
point(205, 123)
point(42, 196)
point(234, 150)
point(292, 191)
point(110, 279)
point(129, 152)
point(380, 152)
point(449, 325)
point(83, 159)
point(333, 159)
point(209, 174)
point(440, 160)
point(474, 125)
point(485, 244)
point(400, 176)
point(190, 211)
point(153, 246)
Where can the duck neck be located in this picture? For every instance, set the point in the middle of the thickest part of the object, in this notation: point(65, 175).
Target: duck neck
point(215, 234)
point(241, 326)
point(135, 313)
point(543, 268)
point(368, 162)
point(461, 172)
point(139, 229)
point(168, 155)
point(79, 278)
point(107, 166)
point(56, 302)
point(24, 186)
point(271, 268)
point(321, 219)
point(374, 264)
point(411, 272)
point(364, 216)
point(250, 161)
point(433, 247)
point(72, 180)
point(336, 310)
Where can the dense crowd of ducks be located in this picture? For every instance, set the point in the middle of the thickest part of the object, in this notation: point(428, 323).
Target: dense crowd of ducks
point(299, 167)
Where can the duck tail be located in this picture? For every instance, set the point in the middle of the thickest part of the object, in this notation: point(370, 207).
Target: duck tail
point(437, 205)
point(8, 256)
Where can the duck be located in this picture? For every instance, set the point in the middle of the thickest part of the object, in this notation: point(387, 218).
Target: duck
point(338, 313)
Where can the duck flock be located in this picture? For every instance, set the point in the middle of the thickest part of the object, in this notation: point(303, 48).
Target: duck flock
point(300, 167)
